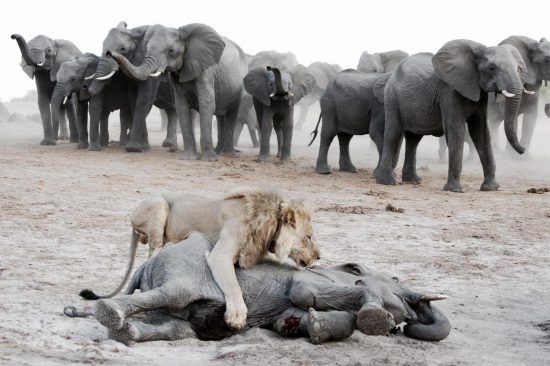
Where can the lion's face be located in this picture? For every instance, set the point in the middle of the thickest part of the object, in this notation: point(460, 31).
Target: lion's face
point(296, 239)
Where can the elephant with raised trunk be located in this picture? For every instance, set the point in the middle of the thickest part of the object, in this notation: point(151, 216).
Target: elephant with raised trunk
point(274, 93)
point(536, 56)
point(181, 300)
point(380, 62)
point(353, 104)
point(207, 69)
point(41, 59)
point(439, 94)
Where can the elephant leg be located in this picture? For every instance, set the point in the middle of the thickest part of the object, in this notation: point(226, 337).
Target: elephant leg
point(252, 125)
point(82, 118)
point(163, 120)
point(171, 139)
point(183, 111)
point(221, 123)
point(393, 136)
point(277, 126)
point(329, 129)
point(454, 132)
point(125, 125)
point(207, 105)
point(287, 127)
point(409, 173)
point(304, 108)
point(112, 313)
point(345, 160)
point(228, 148)
point(481, 137)
point(528, 127)
point(145, 97)
point(138, 331)
point(238, 129)
point(376, 131)
point(265, 134)
point(96, 110)
point(372, 318)
point(61, 124)
point(42, 87)
point(471, 148)
point(104, 129)
point(71, 116)
point(442, 149)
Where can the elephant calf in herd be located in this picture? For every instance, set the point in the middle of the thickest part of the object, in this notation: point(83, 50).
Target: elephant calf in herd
point(390, 96)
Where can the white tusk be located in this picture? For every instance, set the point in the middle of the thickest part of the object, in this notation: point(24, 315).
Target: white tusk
point(65, 100)
point(156, 74)
point(271, 95)
point(290, 94)
point(507, 95)
point(433, 297)
point(90, 77)
point(530, 92)
point(40, 64)
point(106, 76)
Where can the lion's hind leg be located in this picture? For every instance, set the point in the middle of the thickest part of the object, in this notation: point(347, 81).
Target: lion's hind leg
point(149, 219)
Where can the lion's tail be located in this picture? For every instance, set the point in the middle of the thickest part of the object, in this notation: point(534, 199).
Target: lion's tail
point(90, 295)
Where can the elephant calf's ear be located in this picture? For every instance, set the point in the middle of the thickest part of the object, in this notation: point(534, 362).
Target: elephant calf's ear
point(255, 84)
point(302, 83)
point(352, 268)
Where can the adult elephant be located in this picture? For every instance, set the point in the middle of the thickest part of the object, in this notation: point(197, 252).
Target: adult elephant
point(353, 104)
point(323, 73)
point(42, 57)
point(536, 56)
point(432, 95)
point(74, 77)
point(208, 70)
point(178, 290)
point(381, 62)
point(274, 93)
point(547, 110)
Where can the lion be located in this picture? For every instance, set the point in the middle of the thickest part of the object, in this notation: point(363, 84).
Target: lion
point(248, 225)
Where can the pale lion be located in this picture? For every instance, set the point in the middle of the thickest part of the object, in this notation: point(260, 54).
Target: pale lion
point(247, 226)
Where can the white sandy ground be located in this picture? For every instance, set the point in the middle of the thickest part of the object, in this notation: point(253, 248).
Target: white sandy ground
point(64, 227)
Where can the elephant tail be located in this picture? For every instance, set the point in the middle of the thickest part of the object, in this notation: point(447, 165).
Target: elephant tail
point(90, 295)
point(314, 132)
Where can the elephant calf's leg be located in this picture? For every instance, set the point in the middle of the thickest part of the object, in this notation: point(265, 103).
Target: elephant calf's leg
point(409, 166)
point(345, 161)
point(138, 331)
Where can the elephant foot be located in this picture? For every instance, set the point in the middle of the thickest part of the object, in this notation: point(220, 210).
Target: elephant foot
point(255, 146)
point(73, 139)
point(489, 185)
point(375, 321)
point(208, 155)
point(94, 146)
point(64, 135)
point(347, 166)
point(133, 147)
point(335, 325)
point(48, 141)
point(105, 143)
point(453, 187)
point(263, 159)
point(108, 313)
point(189, 154)
point(231, 152)
point(384, 177)
point(322, 169)
point(411, 178)
point(82, 145)
point(169, 143)
point(285, 159)
point(127, 335)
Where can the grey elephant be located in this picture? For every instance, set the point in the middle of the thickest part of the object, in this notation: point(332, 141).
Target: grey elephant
point(323, 73)
point(74, 77)
point(41, 59)
point(274, 93)
point(547, 110)
point(381, 62)
point(435, 94)
point(181, 300)
point(207, 69)
point(353, 104)
point(536, 56)
point(442, 152)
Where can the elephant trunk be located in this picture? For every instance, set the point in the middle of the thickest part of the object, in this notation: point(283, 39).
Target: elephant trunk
point(141, 72)
point(280, 89)
point(25, 52)
point(511, 109)
point(59, 93)
point(432, 324)
point(106, 67)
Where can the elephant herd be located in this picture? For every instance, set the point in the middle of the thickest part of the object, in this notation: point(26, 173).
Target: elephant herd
point(391, 96)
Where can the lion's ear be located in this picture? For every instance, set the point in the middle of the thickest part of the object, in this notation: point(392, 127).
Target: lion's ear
point(288, 216)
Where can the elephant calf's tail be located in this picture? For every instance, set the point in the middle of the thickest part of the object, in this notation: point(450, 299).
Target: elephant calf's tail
point(314, 132)
point(90, 295)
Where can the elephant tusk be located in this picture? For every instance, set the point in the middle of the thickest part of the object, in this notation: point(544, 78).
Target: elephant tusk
point(90, 77)
point(106, 76)
point(271, 95)
point(433, 297)
point(506, 94)
point(40, 64)
point(530, 92)
point(156, 74)
point(290, 94)
point(65, 100)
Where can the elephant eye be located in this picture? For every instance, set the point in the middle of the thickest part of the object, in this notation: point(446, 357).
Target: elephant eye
point(171, 50)
point(492, 68)
point(122, 49)
point(49, 50)
point(547, 60)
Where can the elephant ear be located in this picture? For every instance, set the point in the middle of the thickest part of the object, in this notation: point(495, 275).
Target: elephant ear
point(90, 62)
point(525, 47)
point(27, 69)
point(204, 48)
point(522, 68)
point(64, 50)
point(352, 268)
point(302, 84)
point(456, 64)
point(256, 84)
point(391, 59)
point(379, 85)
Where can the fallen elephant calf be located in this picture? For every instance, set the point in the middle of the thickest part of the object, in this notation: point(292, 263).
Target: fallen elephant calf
point(181, 300)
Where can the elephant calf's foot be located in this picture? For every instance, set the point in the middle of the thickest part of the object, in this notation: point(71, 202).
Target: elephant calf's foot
point(347, 166)
point(109, 313)
point(453, 187)
point(82, 145)
point(384, 177)
point(262, 159)
point(48, 141)
point(322, 169)
point(374, 321)
point(189, 154)
point(134, 147)
point(208, 155)
point(94, 146)
point(490, 185)
point(64, 135)
point(412, 178)
point(128, 334)
point(334, 325)
point(169, 143)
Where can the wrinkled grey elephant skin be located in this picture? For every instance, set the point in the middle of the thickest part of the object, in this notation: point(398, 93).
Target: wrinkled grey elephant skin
point(182, 300)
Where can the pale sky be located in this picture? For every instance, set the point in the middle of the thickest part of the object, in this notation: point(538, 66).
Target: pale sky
point(332, 31)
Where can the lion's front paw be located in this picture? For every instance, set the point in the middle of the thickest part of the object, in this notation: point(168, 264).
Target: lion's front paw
point(235, 315)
